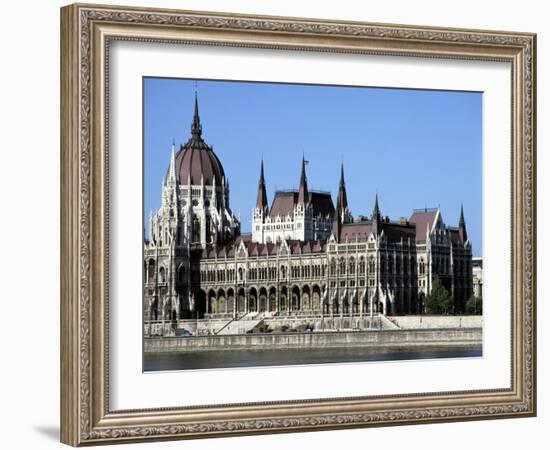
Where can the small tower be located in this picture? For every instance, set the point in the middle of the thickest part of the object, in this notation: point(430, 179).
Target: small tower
point(342, 200)
point(261, 211)
point(303, 194)
point(302, 209)
point(462, 227)
point(376, 217)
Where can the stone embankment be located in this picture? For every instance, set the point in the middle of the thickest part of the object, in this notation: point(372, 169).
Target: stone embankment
point(440, 337)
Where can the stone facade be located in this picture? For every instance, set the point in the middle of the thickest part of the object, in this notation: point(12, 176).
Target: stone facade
point(478, 276)
point(304, 257)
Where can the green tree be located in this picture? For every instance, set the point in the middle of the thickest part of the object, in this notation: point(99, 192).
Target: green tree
point(439, 300)
point(474, 305)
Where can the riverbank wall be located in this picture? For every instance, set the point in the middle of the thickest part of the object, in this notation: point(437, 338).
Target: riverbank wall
point(380, 338)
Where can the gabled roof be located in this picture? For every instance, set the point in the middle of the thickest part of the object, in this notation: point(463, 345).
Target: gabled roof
point(355, 231)
point(394, 232)
point(285, 201)
point(423, 219)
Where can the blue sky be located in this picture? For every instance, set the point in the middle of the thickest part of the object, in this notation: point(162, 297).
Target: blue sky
point(415, 148)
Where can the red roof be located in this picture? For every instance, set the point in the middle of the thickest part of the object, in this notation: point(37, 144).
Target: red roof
point(355, 231)
point(423, 220)
point(284, 202)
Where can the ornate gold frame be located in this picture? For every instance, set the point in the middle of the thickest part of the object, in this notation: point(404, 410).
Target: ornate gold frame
point(86, 31)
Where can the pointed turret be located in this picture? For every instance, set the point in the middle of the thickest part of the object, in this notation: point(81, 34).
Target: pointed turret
point(376, 216)
point(172, 176)
point(261, 201)
point(462, 226)
point(342, 201)
point(196, 127)
point(303, 194)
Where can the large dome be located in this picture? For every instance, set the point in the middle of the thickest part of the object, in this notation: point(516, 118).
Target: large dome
point(196, 159)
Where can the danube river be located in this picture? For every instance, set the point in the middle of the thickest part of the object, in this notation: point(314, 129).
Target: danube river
point(268, 357)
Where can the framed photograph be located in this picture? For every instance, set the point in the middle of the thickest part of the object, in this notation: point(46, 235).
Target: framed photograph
point(276, 224)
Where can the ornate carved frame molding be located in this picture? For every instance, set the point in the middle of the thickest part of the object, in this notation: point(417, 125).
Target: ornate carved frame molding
point(86, 31)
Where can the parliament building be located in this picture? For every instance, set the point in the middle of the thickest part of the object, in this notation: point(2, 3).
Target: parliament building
point(306, 255)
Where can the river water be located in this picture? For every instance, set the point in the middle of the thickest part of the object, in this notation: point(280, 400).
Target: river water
point(267, 357)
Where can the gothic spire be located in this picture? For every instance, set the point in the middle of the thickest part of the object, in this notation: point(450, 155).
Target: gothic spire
point(172, 176)
point(342, 201)
point(196, 127)
point(303, 195)
point(376, 210)
point(261, 201)
point(376, 216)
point(462, 226)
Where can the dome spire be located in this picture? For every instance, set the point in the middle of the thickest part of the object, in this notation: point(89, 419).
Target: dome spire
point(196, 128)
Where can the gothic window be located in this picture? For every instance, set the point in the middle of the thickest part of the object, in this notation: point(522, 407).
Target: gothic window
point(362, 265)
point(196, 229)
point(162, 275)
point(372, 265)
point(333, 266)
point(151, 272)
point(422, 267)
point(342, 266)
point(283, 272)
point(352, 266)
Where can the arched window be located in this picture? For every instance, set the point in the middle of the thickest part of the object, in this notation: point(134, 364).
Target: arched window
point(162, 275)
point(342, 266)
point(372, 265)
point(352, 266)
point(362, 265)
point(208, 229)
point(151, 271)
point(333, 266)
